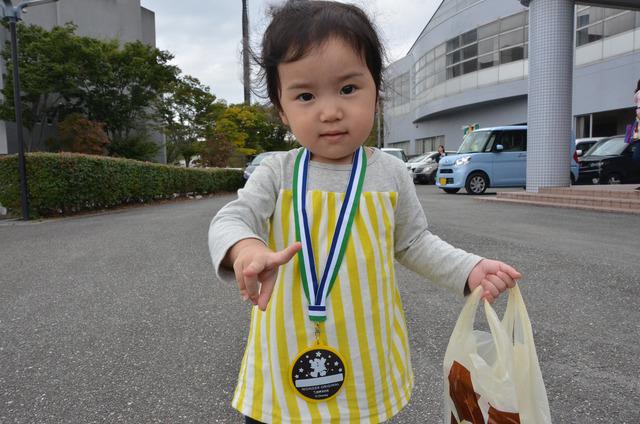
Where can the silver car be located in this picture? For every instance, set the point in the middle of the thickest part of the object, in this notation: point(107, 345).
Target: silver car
point(251, 166)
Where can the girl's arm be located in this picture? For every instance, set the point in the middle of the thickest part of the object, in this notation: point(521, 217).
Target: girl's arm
point(247, 217)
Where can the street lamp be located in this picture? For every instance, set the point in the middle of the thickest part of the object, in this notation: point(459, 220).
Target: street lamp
point(13, 14)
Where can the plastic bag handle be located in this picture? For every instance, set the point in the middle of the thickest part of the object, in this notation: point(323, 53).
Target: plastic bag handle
point(466, 322)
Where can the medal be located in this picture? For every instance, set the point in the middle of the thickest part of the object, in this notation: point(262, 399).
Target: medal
point(318, 372)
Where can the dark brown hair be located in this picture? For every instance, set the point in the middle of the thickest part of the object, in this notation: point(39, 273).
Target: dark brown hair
point(298, 26)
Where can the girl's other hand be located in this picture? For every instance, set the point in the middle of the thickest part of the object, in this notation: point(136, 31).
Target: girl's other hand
point(494, 276)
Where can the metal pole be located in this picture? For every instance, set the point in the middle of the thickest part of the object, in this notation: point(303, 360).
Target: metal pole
point(18, 107)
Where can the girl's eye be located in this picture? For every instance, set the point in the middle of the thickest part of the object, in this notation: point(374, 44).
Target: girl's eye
point(348, 89)
point(305, 97)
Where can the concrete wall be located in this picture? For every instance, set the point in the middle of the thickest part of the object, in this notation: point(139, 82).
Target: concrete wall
point(148, 26)
point(105, 19)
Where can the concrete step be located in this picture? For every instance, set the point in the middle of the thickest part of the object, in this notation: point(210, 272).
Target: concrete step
point(577, 199)
point(626, 191)
point(530, 202)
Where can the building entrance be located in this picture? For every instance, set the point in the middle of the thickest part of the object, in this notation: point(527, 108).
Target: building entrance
point(604, 124)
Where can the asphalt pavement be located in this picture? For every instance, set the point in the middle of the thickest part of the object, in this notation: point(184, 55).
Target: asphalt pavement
point(117, 317)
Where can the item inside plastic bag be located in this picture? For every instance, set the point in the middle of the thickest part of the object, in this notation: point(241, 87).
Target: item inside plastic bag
point(494, 377)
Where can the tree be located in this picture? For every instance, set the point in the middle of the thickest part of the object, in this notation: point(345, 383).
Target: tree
point(49, 74)
point(63, 73)
point(80, 135)
point(216, 151)
point(253, 129)
point(120, 86)
point(188, 116)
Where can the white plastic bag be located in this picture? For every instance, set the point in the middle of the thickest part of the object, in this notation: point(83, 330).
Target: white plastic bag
point(494, 378)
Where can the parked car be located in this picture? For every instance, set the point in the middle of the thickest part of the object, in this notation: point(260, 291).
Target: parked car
point(251, 166)
point(489, 157)
point(416, 160)
point(424, 171)
point(610, 161)
point(398, 153)
point(584, 144)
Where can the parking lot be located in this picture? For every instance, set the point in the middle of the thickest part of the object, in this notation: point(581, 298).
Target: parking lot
point(117, 317)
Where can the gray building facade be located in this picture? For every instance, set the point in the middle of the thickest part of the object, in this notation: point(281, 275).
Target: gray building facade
point(125, 20)
point(470, 65)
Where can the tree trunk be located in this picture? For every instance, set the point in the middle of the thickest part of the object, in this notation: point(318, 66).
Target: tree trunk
point(246, 67)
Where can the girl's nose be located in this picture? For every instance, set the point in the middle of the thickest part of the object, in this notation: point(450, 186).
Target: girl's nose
point(331, 111)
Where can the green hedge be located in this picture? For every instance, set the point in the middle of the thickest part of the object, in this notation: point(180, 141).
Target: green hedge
point(62, 183)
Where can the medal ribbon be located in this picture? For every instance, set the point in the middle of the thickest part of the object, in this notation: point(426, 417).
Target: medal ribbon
point(317, 291)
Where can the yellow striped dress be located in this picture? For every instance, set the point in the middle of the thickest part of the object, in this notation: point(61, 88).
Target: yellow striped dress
point(365, 319)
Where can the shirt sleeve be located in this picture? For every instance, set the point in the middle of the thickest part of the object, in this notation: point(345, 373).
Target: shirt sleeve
point(246, 217)
point(422, 252)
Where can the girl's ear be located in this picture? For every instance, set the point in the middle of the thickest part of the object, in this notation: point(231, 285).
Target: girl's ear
point(283, 117)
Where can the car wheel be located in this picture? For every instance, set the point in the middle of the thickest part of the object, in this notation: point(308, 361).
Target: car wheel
point(451, 190)
point(476, 183)
point(614, 179)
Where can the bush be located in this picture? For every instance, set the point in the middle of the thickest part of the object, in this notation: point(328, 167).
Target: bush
point(62, 183)
point(80, 135)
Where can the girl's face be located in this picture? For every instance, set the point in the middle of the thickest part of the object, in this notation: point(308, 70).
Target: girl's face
point(328, 100)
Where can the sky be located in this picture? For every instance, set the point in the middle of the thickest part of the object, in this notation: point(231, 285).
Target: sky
point(206, 36)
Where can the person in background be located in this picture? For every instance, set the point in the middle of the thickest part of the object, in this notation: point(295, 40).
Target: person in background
point(441, 153)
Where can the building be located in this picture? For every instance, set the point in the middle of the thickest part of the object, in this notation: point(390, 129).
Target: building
point(125, 20)
point(470, 65)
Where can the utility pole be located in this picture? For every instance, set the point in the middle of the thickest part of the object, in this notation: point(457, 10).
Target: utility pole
point(13, 14)
point(246, 66)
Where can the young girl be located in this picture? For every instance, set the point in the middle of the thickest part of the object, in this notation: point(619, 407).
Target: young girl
point(312, 238)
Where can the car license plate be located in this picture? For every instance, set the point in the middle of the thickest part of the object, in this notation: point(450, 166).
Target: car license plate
point(443, 181)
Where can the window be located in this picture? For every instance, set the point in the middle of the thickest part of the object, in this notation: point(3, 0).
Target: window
point(453, 44)
point(619, 24)
point(589, 16)
point(454, 71)
point(487, 46)
point(487, 61)
point(470, 66)
point(609, 12)
point(453, 57)
point(398, 90)
point(470, 51)
point(512, 38)
point(513, 141)
point(512, 22)
point(589, 34)
point(511, 55)
point(469, 37)
point(489, 30)
point(429, 144)
point(595, 23)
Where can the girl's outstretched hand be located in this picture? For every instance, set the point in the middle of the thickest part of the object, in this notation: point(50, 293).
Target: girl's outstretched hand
point(256, 268)
point(494, 277)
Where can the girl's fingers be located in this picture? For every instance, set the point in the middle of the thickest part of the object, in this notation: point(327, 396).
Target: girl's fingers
point(266, 289)
point(240, 281)
point(497, 282)
point(489, 288)
point(506, 278)
point(285, 255)
point(250, 274)
point(509, 270)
